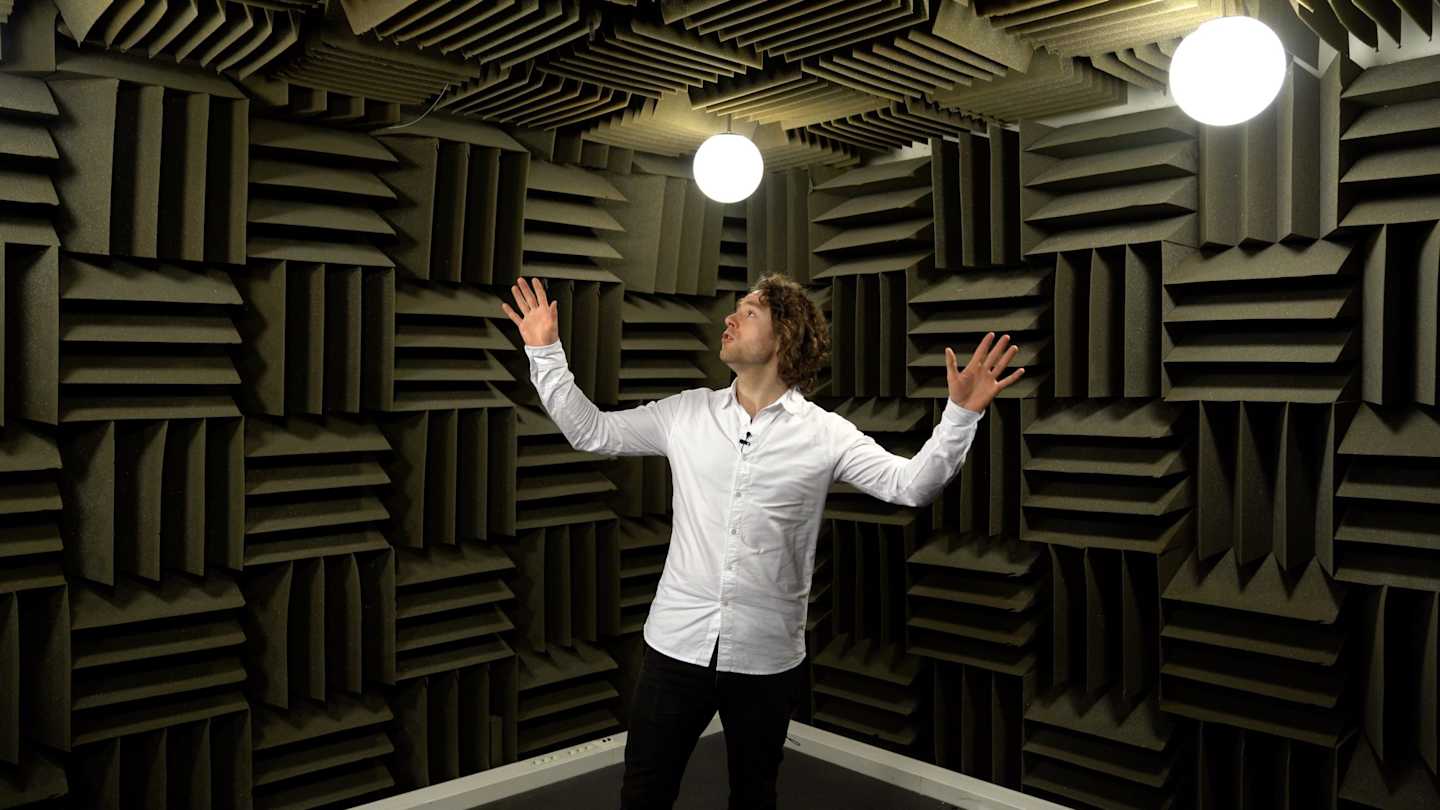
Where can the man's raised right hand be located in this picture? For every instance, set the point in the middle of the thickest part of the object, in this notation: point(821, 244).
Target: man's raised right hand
point(540, 326)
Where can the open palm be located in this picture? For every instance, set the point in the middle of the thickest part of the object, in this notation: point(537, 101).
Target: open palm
point(540, 325)
point(976, 386)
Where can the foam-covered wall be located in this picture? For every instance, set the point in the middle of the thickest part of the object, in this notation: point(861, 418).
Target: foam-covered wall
point(283, 523)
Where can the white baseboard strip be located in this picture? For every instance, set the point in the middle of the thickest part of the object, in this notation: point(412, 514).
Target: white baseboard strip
point(478, 790)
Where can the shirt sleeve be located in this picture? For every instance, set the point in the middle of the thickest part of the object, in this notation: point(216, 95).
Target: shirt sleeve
point(639, 431)
point(917, 481)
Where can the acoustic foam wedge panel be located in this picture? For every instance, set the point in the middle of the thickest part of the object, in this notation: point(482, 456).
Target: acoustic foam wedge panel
point(1245, 769)
point(1336, 22)
point(1053, 85)
point(1110, 474)
point(1260, 182)
point(646, 59)
point(1387, 460)
point(1125, 180)
point(315, 195)
point(452, 604)
point(978, 722)
point(455, 723)
point(155, 163)
point(867, 315)
point(976, 182)
point(146, 658)
point(124, 471)
point(185, 765)
point(956, 311)
point(566, 696)
point(1264, 480)
point(871, 228)
point(984, 499)
point(29, 249)
point(34, 616)
point(1368, 782)
point(332, 58)
point(1400, 343)
point(801, 30)
point(145, 340)
point(870, 551)
point(644, 544)
point(556, 485)
point(280, 97)
point(663, 349)
point(448, 348)
point(34, 607)
point(668, 234)
point(792, 149)
point(503, 34)
point(1387, 139)
point(1258, 649)
point(306, 624)
point(240, 38)
point(30, 155)
point(872, 690)
point(870, 581)
point(1081, 748)
point(1105, 627)
point(558, 582)
point(978, 602)
point(1399, 628)
point(1276, 323)
point(30, 509)
point(777, 222)
point(896, 127)
point(305, 349)
point(1144, 66)
point(524, 96)
point(323, 754)
point(565, 224)
point(872, 220)
point(449, 471)
point(819, 613)
point(955, 49)
point(461, 189)
point(733, 262)
point(667, 126)
point(314, 488)
point(786, 96)
point(1067, 28)
point(1107, 318)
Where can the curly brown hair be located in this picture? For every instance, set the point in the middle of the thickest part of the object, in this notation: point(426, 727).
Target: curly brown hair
point(801, 334)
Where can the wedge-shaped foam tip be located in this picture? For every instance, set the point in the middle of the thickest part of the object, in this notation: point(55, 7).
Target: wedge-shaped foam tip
point(1119, 181)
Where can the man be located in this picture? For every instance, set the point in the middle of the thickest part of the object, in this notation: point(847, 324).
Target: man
point(752, 464)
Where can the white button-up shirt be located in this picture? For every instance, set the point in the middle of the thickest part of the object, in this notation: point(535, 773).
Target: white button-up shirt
point(746, 517)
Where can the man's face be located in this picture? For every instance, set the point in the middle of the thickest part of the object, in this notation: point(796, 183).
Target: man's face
point(748, 337)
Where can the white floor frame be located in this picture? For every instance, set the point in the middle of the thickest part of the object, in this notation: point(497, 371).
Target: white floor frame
point(913, 775)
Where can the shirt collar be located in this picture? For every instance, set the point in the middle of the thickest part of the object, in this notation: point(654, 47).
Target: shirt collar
point(792, 400)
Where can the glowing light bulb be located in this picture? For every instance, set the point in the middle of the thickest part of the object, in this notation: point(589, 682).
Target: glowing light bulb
point(1227, 71)
point(728, 167)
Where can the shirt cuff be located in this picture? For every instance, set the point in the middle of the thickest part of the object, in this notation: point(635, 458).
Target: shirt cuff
point(959, 415)
point(548, 350)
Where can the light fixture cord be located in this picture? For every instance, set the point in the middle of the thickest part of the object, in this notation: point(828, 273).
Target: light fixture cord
point(423, 115)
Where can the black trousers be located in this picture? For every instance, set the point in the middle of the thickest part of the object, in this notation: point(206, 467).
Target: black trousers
point(674, 701)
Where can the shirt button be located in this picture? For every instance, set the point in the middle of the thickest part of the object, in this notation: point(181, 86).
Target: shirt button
point(732, 531)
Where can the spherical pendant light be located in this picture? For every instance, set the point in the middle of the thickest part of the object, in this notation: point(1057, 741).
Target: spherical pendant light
point(1227, 71)
point(728, 167)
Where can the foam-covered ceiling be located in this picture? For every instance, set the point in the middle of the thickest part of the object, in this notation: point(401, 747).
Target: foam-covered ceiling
point(818, 81)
